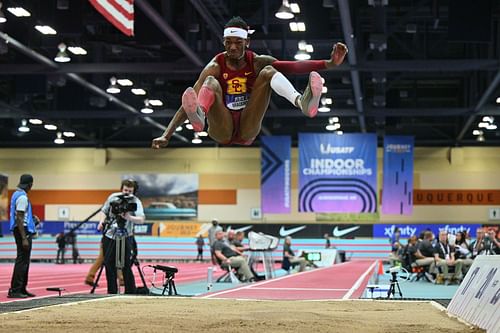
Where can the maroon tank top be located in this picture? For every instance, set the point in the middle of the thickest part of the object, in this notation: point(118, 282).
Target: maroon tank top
point(236, 85)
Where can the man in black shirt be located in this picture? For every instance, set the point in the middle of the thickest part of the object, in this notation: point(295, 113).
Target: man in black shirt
point(288, 253)
point(228, 257)
point(425, 252)
point(445, 258)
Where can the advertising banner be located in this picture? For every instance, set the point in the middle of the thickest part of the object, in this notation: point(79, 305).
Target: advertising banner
point(408, 230)
point(275, 174)
point(337, 173)
point(397, 190)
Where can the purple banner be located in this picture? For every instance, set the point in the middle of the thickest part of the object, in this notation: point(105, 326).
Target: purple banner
point(275, 174)
point(397, 190)
point(337, 173)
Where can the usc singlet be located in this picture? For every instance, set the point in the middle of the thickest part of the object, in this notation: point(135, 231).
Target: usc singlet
point(236, 85)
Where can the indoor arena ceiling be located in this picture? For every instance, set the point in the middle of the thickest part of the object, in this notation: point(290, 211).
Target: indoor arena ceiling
point(423, 68)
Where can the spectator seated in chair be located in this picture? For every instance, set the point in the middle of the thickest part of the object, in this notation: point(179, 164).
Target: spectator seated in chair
point(230, 258)
point(444, 254)
point(425, 255)
point(289, 258)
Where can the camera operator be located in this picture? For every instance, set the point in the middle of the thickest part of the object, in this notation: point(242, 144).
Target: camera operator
point(120, 211)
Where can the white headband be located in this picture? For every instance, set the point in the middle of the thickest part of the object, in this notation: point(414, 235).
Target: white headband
point(236, 32)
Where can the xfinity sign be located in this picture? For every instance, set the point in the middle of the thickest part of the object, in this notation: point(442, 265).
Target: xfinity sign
point(408, 230)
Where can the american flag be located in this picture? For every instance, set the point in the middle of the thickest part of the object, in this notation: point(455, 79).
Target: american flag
point(119, 12)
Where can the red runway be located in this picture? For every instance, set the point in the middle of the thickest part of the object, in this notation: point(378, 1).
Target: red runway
point(342, 281)
point(72, 276)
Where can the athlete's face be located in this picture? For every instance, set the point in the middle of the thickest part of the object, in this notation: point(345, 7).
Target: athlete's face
point(235, 47)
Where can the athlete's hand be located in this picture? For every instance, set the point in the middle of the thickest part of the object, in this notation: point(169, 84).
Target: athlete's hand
point(159, 142)
point(338, 53)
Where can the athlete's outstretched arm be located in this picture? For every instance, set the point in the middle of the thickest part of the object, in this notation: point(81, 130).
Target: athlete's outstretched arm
point(306, 66)
point(212, 68)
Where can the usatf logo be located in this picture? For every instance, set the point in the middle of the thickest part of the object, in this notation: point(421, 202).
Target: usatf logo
point(237, 85)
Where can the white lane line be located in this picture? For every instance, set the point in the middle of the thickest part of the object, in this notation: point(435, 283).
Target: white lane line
point(359, 281)
point(301, 289)
point(258, 284)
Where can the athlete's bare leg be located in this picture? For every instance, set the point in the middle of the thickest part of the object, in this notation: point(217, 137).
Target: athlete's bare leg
point(252, 115)
point(220, 122)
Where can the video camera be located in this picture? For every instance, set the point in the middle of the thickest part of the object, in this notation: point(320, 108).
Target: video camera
point(122, 204)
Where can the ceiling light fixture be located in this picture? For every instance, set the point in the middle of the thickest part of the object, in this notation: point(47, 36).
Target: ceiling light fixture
point(480, 138)
point(35, 121)
point(332, 127)
point(326, 100)
point(155, 102)
point(178, 129)
point(189, 126)
point(45, 29)
point(19, 11)
point(69, 134)
point(50, 127)
point(59, 140)
point(202, 133)
point(285, 12)
point(146, 109)
point(196, 140)
point(23, 128)
point(488, 119)
point(113, 87)
point(2, 16)
point(323, 108)
point(77, 50)
point(491, 127)
point(138, 91)
point(294, 7)
point(302, 55)
point(477, 132)
point(125, 82)
point(62, 56)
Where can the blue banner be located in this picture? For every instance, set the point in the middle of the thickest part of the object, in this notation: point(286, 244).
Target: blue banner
point(408, 230)
point(87, 228)
point(337, 173)
point(397, 190)
point(275, 174)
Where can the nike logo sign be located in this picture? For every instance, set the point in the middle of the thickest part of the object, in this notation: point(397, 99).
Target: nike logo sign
point(248, 73)
point(240, 229)
point(232, 31)
point(284, 232)
point(340, 233)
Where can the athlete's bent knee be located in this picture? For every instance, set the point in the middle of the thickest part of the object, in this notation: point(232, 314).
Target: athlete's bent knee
point(212, 83)
point(268, 72)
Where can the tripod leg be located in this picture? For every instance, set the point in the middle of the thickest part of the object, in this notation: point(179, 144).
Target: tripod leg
point(173, 286)
point(97, 279)
point(399, 290)
point(390, 291)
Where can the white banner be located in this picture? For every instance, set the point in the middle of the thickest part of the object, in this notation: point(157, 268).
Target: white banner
point(477, 300)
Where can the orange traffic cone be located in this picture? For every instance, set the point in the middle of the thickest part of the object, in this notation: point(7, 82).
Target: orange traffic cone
point(380, 268)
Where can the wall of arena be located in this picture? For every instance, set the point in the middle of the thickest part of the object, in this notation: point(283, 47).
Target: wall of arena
point(229, 180)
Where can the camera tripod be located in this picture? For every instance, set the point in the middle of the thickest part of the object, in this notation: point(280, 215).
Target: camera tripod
point(121, 250)
point(394, 284)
